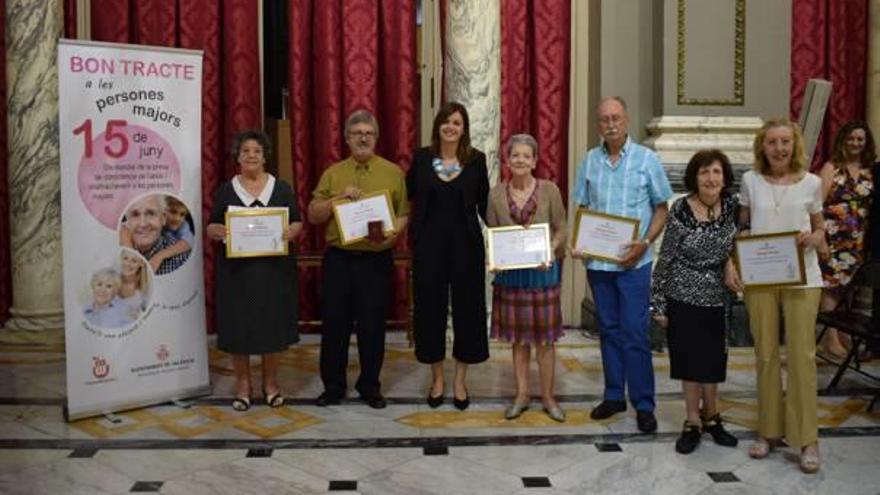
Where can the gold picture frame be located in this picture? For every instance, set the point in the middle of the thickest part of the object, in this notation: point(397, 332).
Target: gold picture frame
point(493, 232)
point(348, 240)
point(231, 215)
point(581, 212)
point(801, 275)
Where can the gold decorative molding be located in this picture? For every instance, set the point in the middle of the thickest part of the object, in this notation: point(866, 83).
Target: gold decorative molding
point(739, 60)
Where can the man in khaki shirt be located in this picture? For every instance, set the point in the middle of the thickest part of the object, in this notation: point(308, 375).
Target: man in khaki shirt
point(356, 278)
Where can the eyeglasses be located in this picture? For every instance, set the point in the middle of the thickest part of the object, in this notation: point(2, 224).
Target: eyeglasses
point(362, 134)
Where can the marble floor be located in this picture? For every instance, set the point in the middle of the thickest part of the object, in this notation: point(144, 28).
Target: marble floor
point(203, 446)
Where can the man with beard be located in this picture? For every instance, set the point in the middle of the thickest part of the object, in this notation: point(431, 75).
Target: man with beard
point(357, 277)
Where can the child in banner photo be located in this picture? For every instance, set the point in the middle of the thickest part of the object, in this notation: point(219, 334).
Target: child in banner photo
point(105, 310)
point(177, 225)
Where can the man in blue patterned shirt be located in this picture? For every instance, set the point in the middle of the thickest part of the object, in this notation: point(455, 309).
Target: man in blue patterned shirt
point(620, 177)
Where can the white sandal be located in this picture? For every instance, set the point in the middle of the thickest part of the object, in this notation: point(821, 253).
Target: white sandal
point(762, 447)
point(809, 462)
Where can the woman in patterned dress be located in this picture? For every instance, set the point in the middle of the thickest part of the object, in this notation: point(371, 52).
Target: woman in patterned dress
point(846, 189)
point(689, 295)
point(525, 303)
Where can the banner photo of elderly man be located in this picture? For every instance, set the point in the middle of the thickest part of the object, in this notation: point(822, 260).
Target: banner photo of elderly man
point(130, 138)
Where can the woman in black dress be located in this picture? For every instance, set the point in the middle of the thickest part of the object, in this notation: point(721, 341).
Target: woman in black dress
point(449, 185)
point(256, 301)
point(689, 292)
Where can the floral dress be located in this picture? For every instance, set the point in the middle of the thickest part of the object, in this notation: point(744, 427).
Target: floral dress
point(846, 215)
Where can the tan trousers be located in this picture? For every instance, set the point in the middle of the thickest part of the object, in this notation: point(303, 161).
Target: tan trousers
point(793, 415)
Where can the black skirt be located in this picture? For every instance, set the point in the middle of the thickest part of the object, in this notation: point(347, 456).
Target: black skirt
point(697, 347)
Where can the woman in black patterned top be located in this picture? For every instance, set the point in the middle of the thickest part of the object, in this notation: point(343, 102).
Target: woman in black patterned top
point(689, 294)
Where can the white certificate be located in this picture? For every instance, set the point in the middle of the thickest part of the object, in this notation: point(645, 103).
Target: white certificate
point(353, 217)
point(515, 247)
point(770, 260)
point(602, 236)
point(255, 232)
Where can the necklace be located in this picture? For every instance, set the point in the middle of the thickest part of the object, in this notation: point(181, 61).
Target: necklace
point(710, 209)
point(778, 198)
point(445, 171)
point(521, 195)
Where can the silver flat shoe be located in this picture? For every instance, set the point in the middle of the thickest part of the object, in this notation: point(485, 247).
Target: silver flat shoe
point(515, 410)
point(555, 413)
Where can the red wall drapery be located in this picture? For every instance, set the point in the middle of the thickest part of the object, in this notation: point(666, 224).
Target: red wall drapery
point(227, 32)
point(829, 41)
point(535, 68)
point(70, 19)
point(5, 256)
point(344, 56)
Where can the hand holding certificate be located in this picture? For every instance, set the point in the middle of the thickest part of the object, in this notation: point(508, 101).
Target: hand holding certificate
point(770, 260)
point(353, 218)
point(516, 247)
point(602, 236)
point(254, 232)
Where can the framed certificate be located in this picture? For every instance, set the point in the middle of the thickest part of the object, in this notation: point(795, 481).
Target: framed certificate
point(353, 217)
point(254, 232)
point(515, 247)
point(603, 236)
point(770, 260)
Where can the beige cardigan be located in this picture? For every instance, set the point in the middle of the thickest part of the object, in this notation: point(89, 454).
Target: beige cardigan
point(550, 210)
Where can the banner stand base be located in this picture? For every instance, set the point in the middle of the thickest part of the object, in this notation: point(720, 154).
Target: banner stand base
point(113, 418)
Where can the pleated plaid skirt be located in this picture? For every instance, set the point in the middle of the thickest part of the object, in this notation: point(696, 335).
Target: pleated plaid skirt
point(526, 315)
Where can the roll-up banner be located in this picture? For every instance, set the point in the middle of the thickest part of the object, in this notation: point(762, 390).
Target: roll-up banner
point(130, 135)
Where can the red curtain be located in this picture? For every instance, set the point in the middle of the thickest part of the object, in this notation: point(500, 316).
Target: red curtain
point(535, 61)
point(70, 19)
point(347, 55)
point(227, 32)
point(5, 256)
point(829, 41)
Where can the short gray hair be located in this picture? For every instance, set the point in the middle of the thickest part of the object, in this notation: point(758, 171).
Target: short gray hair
point(526, 139)
point(361, 117)
point(160, 198)
point(618, 99)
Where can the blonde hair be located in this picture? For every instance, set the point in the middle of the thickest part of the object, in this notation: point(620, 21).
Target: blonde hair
point(106, 275)
point(143, 275)
point(798, 158)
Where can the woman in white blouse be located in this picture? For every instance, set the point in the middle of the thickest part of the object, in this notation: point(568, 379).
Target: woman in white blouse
point(779, 195)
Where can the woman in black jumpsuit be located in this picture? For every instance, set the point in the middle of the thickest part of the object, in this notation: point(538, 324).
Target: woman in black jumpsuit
point(449, 186)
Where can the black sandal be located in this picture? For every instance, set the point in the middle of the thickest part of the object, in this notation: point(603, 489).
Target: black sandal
point(275, 400)
point(715, 426)
point(241, 404)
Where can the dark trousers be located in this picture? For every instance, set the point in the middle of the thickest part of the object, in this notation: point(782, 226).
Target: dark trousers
point(355, 297)
point(460, 269)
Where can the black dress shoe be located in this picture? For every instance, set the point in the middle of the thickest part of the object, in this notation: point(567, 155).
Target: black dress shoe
point(715, 427)
point(326, 399)
point(434, 402)
point(376, 401)
point(607, 409)
point(461, 404)
point(689, 439)
point(646, 421)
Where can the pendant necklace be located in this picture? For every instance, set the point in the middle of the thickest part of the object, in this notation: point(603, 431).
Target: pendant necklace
point(777, 199)
point(710, 209)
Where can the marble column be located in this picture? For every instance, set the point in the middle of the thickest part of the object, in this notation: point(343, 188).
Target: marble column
point(873, 86)
point(473, 71)
point(32, 32)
